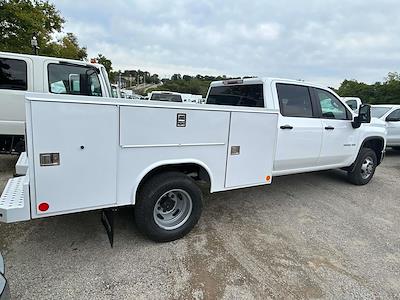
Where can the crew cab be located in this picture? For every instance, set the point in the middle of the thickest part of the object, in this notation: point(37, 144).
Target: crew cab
point(21, 73)
point(106, 153)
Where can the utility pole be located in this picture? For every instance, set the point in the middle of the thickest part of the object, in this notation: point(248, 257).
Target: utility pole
point(34, 44)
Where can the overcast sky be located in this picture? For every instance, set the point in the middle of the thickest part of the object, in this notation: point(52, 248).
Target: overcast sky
point(322, 41)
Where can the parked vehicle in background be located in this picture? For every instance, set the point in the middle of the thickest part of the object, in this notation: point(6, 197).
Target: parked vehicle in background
point(254, 130)
point(116, 91)
point(391, 115)
point(129, 94)
point(192, 98)
point(174, 97)
point(4, 289)
point(353, 102)
point(165, 96)
point(20, 73)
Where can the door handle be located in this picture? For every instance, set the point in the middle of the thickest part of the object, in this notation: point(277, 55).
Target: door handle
point(329, 128)
point(286, 127)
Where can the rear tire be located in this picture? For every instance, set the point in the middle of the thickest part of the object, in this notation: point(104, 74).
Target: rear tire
point(168, 206)
point(364, 167)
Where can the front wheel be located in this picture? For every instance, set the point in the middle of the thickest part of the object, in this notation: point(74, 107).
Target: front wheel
point(169, 205)
point(364, 167)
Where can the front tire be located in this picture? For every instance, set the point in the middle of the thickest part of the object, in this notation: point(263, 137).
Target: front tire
point(364, 167)
point(169, 205)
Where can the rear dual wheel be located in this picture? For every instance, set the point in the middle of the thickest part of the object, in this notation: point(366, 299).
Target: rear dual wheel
point(169, 205)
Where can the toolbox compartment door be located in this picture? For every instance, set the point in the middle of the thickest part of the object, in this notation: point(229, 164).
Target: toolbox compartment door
point(251, 150)
point(85, 136)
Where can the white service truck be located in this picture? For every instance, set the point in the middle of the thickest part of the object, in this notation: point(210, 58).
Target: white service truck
point(21, 73)
point(88, 153)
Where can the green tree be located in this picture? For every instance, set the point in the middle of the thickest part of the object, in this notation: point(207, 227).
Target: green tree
point(176, 77)
point(20, 20)
point(66, 47)
point(101, 59)
point(387, 92)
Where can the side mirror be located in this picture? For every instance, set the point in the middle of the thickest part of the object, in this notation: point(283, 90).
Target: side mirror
point(364, 116)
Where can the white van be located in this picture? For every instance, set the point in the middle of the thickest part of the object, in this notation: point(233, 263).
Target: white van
point(21, 73)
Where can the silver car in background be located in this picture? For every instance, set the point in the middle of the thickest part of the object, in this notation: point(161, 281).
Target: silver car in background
point(390, 113)
point(4, 290)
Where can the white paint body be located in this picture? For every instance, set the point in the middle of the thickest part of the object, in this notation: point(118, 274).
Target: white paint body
point(12, 102)
point(393, 128)
point(107, 146)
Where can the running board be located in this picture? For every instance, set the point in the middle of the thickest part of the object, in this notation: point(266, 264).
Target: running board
point(14, 201)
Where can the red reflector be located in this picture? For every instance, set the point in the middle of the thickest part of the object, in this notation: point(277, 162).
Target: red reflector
point(43, 206)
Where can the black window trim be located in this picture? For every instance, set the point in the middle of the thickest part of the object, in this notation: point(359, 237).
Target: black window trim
point(26, 73)
point(318, 105)
point(73, 65)
point(313, 104)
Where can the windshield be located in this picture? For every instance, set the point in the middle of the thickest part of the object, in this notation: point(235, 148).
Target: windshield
point(166, 97)
point(378, 112)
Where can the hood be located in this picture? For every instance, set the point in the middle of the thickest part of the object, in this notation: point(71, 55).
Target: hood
point(377, 122)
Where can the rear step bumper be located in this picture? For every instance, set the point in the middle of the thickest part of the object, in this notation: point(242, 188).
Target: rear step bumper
point(21, 168)
point(14, 201)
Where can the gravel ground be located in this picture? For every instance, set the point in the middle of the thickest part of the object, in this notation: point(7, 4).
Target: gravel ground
point(305, 236)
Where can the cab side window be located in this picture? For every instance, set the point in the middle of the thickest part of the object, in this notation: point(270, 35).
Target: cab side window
point(331, 107)
point(294, 100)
point(74, 80)
point(13, 74)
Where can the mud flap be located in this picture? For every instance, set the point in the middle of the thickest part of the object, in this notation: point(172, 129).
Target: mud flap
point(107, 218)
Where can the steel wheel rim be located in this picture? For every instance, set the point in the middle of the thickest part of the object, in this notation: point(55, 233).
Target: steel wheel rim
point(367, 167)
point(172, 209)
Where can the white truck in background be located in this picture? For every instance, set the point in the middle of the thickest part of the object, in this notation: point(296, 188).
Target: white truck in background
point(390, 114)
point(21, 73)
point(353, 102)
point(106, 153)
point(174, 97)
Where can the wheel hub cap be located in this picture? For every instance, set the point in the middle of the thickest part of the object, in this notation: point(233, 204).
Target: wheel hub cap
point(367, 167)
point(172, 209)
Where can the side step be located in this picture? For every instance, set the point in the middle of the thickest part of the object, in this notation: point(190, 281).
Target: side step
point(21, 168)
point(14, 201)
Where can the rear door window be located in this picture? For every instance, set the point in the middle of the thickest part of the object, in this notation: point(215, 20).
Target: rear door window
point(13, 74)
point(251, 95)
point(294, 100)
point(74, 80)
